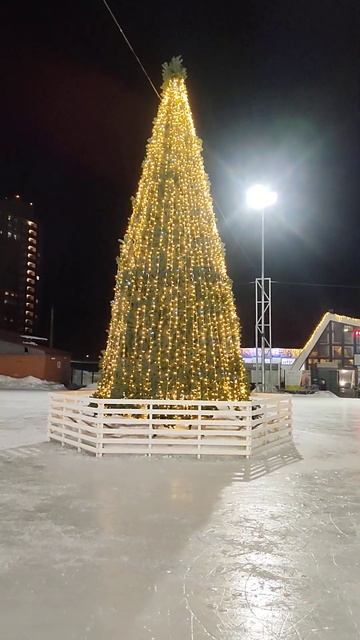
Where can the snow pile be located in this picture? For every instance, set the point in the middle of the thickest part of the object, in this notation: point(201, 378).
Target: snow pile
point(29, 382)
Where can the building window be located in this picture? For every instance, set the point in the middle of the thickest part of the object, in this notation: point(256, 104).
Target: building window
point(324, 338)
point(337, 332)
point(348, 335)
point(337, 352)
point(357, 343)
point(323, 350)
point(348, 351)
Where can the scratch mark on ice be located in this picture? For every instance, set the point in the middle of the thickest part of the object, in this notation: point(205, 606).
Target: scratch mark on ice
point(338, 528)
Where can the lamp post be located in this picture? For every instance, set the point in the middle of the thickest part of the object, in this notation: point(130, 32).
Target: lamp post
point(259, 198)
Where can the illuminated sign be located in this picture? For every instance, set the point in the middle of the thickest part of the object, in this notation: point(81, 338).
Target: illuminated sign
point(282, 361)
point(276, 352)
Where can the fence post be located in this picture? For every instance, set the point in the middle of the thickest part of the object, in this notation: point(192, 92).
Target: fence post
point(100, 428)
point(150, 415)
point(249, 416)
point(199, 410)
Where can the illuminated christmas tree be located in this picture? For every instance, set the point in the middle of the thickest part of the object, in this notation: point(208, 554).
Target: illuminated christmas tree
point(174, 331)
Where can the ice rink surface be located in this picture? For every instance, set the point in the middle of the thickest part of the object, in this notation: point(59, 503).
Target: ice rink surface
point(180, 549)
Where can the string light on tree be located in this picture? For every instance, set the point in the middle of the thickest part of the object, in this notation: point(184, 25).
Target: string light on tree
point(174, 331)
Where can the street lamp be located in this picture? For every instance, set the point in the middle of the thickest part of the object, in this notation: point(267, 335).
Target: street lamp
point(259, 198)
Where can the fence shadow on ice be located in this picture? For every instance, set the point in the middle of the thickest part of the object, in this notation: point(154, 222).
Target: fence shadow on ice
point(266, 463)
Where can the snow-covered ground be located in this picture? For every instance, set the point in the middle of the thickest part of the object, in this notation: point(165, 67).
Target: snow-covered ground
point(174, 549)
point(29, 383)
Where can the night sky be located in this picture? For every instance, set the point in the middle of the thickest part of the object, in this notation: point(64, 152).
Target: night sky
point(274, 88)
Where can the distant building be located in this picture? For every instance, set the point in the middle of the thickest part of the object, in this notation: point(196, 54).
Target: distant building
point(19, 266)
point(330, 360)
point(22, 356)
point(331, 357)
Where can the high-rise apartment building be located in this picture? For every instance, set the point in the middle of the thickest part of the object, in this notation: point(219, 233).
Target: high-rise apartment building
point(19, 266)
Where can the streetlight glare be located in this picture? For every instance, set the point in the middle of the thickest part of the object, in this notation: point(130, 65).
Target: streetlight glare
point(259, 197)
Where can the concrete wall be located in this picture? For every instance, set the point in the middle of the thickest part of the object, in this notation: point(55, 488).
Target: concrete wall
point(44, 366)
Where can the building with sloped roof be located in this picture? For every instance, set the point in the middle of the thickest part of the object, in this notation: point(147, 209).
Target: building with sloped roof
point(331, 357)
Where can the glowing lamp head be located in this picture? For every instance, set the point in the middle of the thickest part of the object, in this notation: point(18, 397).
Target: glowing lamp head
point(259, 197)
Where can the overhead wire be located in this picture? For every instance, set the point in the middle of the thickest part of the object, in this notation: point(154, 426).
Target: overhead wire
point(306, 284)
point(130, 46)
point(318, 284)
point(106, 4)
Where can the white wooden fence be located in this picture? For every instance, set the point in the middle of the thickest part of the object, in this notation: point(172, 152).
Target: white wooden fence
point(178, 427)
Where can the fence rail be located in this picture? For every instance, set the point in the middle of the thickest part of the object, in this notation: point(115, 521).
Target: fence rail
point(164, 427)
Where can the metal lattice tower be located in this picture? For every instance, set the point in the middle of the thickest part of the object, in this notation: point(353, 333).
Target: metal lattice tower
point(263, 337)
